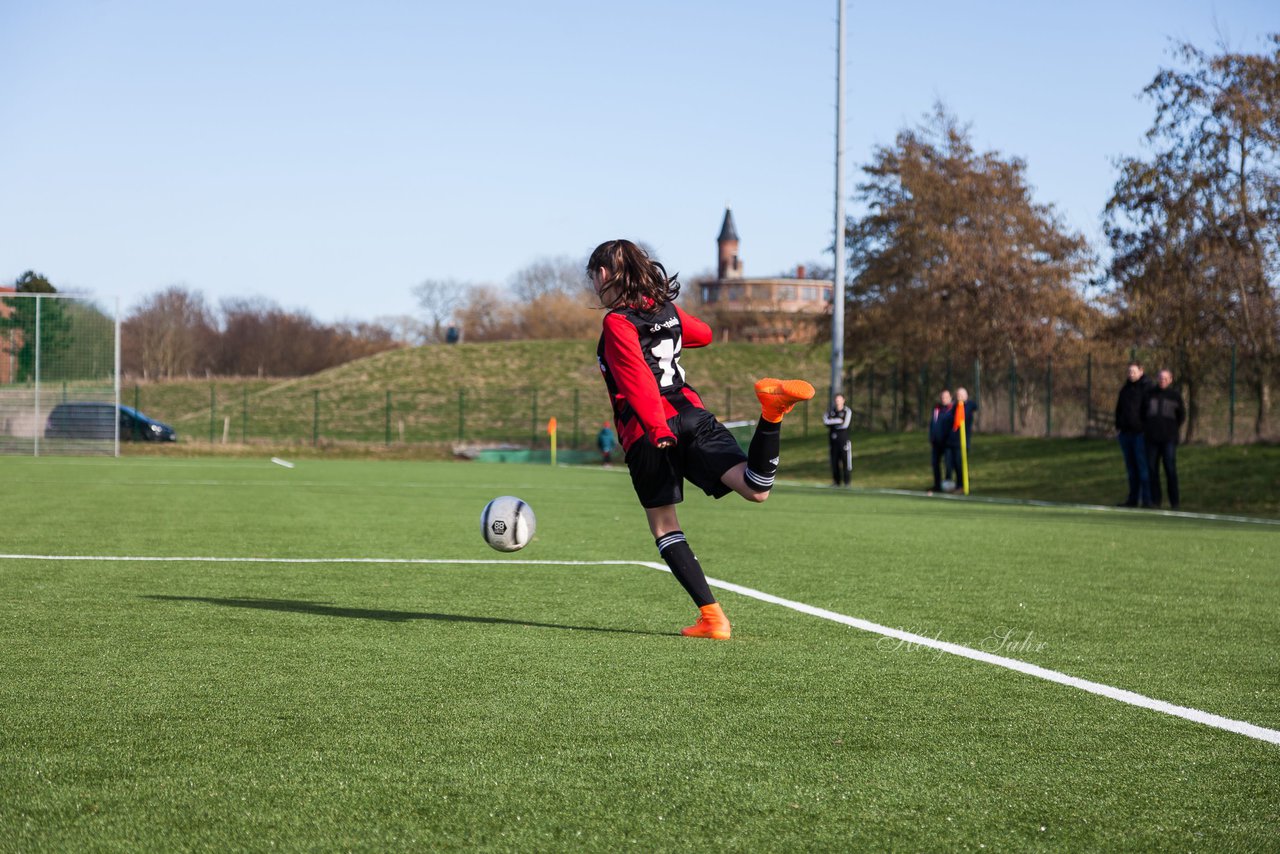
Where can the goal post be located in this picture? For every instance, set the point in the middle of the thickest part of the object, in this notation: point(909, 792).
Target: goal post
point(59, 375)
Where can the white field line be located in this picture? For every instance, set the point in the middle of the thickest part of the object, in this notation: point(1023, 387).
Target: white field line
point(1129, 697)
point(1036, 502)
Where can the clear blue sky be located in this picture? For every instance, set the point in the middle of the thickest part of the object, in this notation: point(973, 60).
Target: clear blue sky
point(330, 156)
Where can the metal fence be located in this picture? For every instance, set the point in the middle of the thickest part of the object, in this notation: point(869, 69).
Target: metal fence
point(59, 375)
point(236, 413)
point(1072, 396)
point(1060, 397)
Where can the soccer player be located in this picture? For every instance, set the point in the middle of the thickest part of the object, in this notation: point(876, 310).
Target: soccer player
point(667, 435)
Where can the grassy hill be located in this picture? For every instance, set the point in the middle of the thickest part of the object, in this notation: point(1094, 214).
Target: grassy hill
point(468, 392)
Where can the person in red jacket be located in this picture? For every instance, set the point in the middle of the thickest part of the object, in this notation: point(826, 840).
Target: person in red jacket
point(666, 433)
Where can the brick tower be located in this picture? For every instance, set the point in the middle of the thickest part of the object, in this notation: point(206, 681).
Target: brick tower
point(730, 264)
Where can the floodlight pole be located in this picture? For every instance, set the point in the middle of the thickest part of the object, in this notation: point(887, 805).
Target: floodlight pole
point(837, 292)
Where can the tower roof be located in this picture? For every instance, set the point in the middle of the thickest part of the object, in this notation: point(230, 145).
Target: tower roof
point(727, 231)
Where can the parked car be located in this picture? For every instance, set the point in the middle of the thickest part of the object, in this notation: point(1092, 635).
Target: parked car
point(93, 420)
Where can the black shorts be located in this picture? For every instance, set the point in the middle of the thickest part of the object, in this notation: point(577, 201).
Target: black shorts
point(704, 451)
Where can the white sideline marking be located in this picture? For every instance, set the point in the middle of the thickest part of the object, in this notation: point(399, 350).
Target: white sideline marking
point(1037, 502)
point(1131, 698)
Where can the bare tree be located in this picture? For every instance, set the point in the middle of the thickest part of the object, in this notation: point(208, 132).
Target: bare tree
point(438, 299)
point(169, 334)
point(559, 315)
point(1196, 228)
point(558, 275)
point(487, 315)
point(407, 330)
point(954, 256)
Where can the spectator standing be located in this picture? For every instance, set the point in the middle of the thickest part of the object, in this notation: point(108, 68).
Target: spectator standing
point(942, 424)
point(837, 419)
point(1130, 430)
point(606, 442)
point(1165, 414)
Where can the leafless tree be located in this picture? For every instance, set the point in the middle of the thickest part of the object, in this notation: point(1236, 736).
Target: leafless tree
point(438, 299)
point(170, 334)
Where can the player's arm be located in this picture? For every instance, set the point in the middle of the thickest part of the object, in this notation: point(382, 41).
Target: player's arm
point(846, 419)
point(635, 380)
point(694, 332)
point(830, 419)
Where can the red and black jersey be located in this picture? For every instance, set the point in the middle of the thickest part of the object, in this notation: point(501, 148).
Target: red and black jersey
point(639, 354)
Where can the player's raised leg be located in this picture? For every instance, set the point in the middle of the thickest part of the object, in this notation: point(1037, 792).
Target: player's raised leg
point(754, 479)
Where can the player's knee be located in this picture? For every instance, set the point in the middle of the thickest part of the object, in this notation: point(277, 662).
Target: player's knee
point(757, 497)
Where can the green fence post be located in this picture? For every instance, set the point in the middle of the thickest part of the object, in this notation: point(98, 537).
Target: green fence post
point(871, 398)
point(1088, 392)
point(388, 411)
point(1013, 391)
point(462, 414)
point(1231, 410)
point(977, 390)
point(575, 417)
point(213, 405)
point(895, 399)
point(533, 420)
point(923, 394)
point(804, 431)
point(244, 414)
point(1048, 400)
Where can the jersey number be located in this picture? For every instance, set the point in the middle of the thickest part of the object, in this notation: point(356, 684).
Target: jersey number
point(667, 352)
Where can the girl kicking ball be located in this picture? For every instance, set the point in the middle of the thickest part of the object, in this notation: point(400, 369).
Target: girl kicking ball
point(667, 435)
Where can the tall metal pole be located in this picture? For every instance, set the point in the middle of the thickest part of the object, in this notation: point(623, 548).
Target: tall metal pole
point(116, 381)
point(837, 294)
point(38, 430)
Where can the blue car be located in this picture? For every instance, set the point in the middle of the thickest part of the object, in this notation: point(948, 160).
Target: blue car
point(93, 420)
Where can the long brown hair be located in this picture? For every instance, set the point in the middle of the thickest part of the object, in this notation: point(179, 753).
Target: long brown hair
point(634, 280)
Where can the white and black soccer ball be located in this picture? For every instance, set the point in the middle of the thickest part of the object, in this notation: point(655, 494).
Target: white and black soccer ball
point(507, 523)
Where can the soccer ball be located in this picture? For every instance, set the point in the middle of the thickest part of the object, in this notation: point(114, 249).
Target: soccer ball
point(948, 486)
point(507, 523)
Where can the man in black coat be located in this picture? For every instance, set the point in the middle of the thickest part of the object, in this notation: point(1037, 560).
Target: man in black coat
point(1165, 415)
point(1130, 431)
point(942, 422)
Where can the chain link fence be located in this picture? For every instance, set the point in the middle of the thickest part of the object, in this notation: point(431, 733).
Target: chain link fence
point(1068, 396)
point(59, 376)
point(256, 412)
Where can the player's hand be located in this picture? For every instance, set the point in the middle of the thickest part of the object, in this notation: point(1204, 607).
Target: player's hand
point(665, 442)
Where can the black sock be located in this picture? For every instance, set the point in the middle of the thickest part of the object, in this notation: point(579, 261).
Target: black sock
point(685, 567)
point(762, 455)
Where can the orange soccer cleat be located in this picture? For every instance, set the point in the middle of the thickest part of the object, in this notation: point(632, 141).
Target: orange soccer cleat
point(712, 623)
point(777, 397)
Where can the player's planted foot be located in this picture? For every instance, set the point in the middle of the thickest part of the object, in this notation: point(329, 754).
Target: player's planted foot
point(777, 397)
point(712, 623)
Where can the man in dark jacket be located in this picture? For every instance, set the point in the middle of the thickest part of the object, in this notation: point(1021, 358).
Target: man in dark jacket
point(942, 423)
point(1165, 414)
point(1130, 427)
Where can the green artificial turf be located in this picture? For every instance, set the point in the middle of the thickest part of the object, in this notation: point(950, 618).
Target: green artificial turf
point(174, 706)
